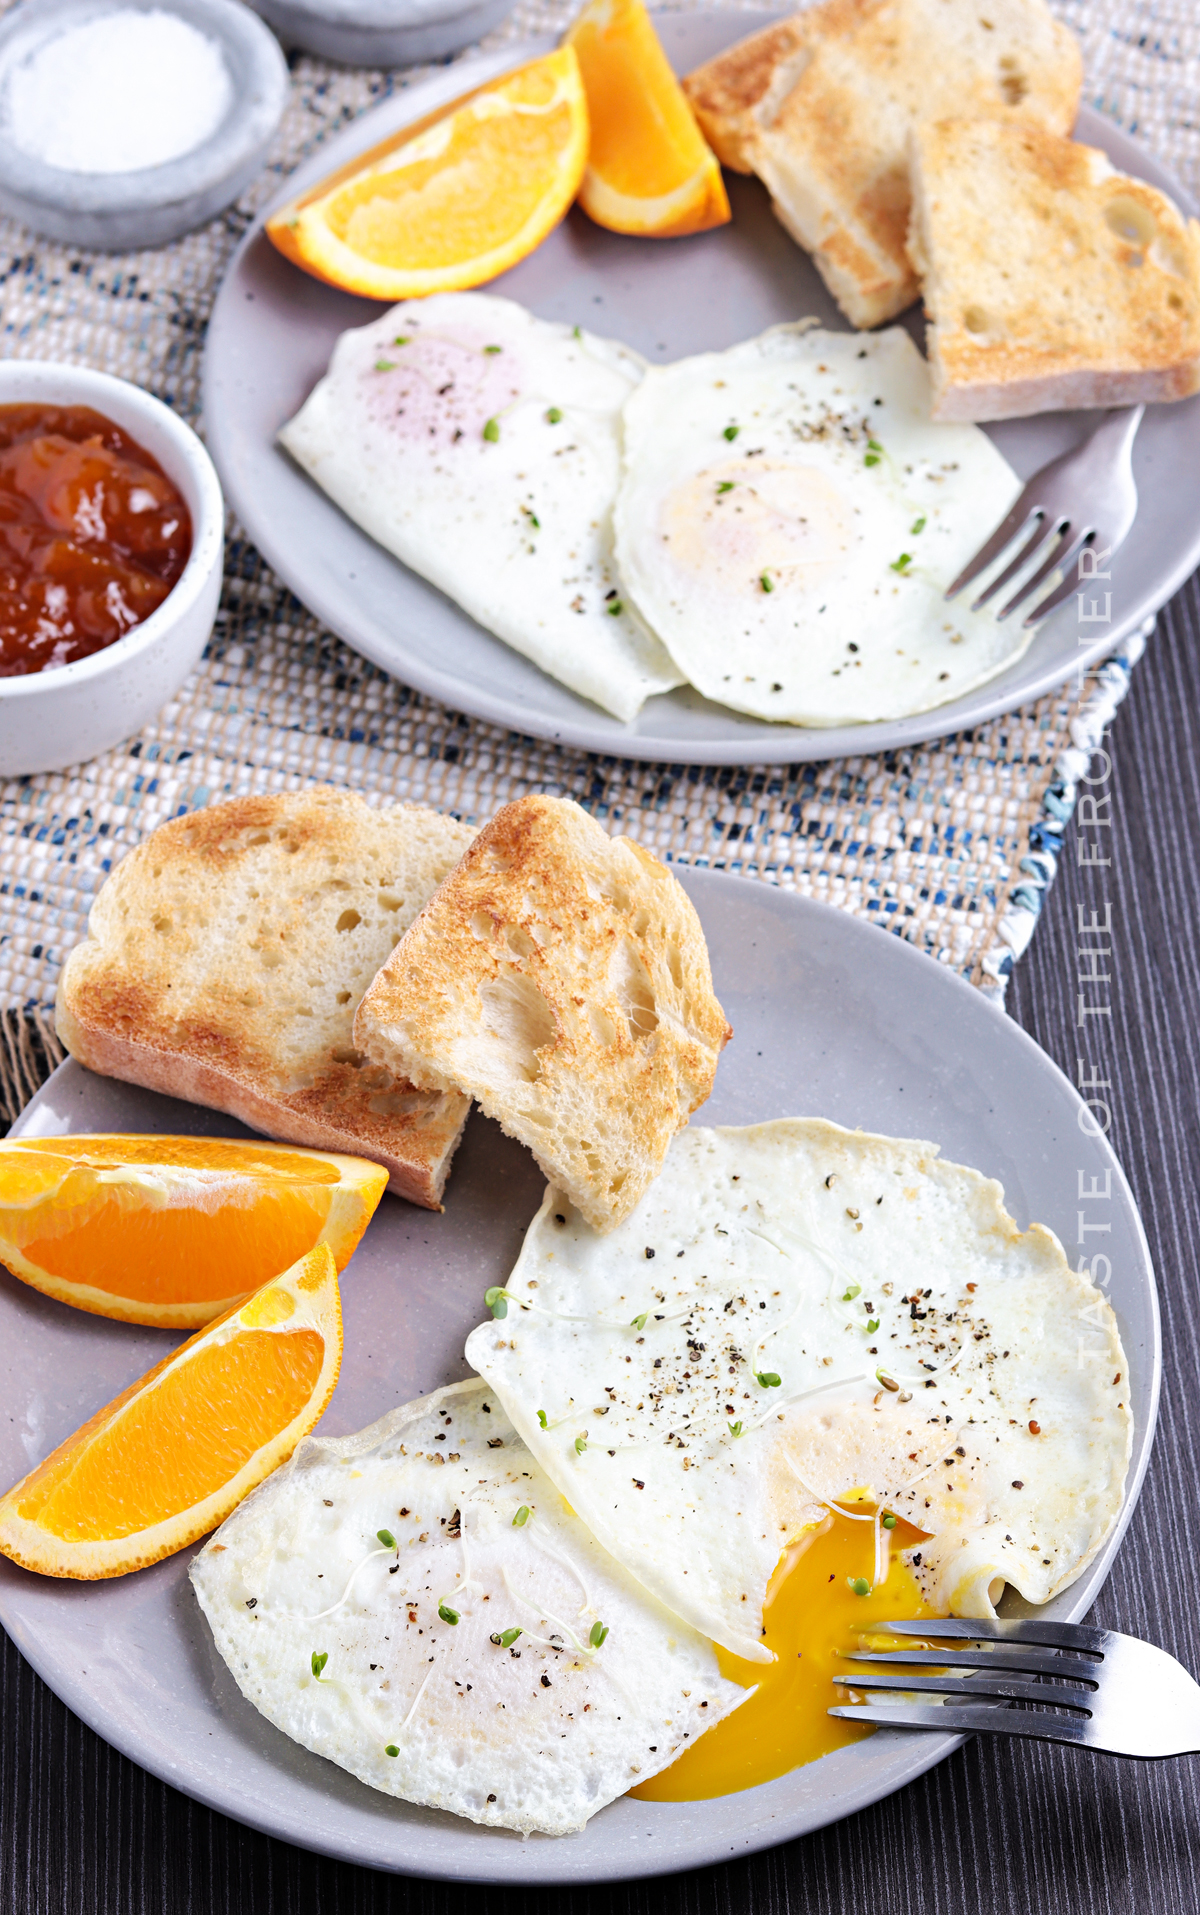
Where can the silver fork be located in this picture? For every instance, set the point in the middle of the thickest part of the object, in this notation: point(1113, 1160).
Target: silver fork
point(1125, 1696)
point(1086, 497)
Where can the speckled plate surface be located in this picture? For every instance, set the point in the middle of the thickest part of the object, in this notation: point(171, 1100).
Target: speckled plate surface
point(273, 329)
point(831, 1018)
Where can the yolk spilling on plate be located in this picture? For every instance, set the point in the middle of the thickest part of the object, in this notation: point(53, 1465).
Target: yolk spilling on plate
point(812, 1612)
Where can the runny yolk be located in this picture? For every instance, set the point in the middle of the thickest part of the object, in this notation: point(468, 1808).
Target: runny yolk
point(811, 1613)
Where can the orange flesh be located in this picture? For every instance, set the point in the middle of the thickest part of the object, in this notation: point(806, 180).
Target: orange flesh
point(112, 1242)
point(811, 1613)
point(480, 190)
point(644, 138)
point(147, 1465)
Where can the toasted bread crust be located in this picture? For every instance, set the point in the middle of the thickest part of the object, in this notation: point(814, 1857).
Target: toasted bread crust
point(730, 93)
point(561, 977)
point(201, 978)
point(826, 126)
point(1051, 281)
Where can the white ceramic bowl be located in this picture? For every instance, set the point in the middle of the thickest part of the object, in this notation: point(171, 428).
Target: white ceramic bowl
point(60, 717)
point(382, 32)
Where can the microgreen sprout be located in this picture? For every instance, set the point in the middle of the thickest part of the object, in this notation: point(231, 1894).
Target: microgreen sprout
point(401, 339)
point(318, 1663)
point(859, 1585)
point(597, 1635)
point(504, 1638)
point(386, 1538)
point(872, 1326)
point(522, 1517)
point(889, 1521)
point(731, 433)
point(542, 1423)
point(553, 415)
point(446, 1613)
point(854, 1290)
point(889, 1382)
point(764, 579)
point(391, 1749)
point(874, 452)
point(385, 365)
point(735, 1429)
point(615, 609)
point(725, 485)
point(491, 431)
point(580, 1445)
point(918, 525)
point(533, 518)
point(902, 564)
point(578, 333)
point(497, 1300)
point(490, 349)
point(639, 1323)
point(768, 1379)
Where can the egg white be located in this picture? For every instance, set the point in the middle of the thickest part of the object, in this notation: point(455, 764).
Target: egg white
point(629, 1362)
point(789, 519)
point(515, 526)
point(535, 1735)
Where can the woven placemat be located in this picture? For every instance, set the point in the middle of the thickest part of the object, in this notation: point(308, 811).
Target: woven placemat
point(950, 845)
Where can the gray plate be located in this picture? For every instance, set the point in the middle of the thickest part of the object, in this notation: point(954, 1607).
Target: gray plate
point(273, 329)
point(830, 1018)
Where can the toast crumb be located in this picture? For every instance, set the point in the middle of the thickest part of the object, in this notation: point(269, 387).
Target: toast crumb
point(226, 956)
point(561, 977)
point(823, 115)
point(1051, 280)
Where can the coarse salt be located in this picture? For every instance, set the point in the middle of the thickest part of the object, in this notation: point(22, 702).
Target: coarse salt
point(117, 93)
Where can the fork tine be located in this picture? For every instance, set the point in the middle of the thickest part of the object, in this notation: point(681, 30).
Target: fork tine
point(1065, 556)
point(1047, 528)
point(971, 1719)
point(1054, 599)
point(1053, 1635)
point(1018, 522)
point(950, 1682)
point(1020, 1661)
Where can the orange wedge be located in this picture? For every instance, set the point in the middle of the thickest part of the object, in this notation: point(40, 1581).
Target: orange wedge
point(649, 168)
point(446, 206)
point(169, 1458)
point(171, 1231)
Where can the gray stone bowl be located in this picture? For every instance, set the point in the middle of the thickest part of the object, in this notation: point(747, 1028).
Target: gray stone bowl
point(124, 212)
point(382, 32)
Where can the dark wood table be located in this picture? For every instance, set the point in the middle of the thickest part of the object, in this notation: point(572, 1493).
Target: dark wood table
point(997, 1829)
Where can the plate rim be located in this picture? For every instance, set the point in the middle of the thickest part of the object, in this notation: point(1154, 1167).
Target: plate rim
point(776, 1829)
point(602, 734)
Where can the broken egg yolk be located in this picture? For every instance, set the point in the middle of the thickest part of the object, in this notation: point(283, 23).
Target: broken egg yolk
point(813, 1611)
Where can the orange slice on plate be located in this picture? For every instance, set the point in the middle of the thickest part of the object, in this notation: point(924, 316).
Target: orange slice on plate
point(649, 168)
point(448, 205)
point(169, 1458)
point(171, 1231)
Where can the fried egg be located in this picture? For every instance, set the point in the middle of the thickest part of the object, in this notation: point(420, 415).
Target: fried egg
point(481, 446)
point(418, 1604)
point(795, 1315)
point(789, 519)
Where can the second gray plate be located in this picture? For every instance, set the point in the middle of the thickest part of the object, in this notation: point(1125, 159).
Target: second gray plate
point(831, 1018)
point(273, 329)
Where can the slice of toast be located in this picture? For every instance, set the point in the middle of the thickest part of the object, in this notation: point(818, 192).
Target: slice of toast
point(561, 977)
point(741, 91)
point(1051, 281)
point(225, 959)
point(828, 129)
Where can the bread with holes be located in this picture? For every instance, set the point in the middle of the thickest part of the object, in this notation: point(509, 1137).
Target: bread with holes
point(1050, 279)
point(225, 959)
point(826, 113)
point(561, 977)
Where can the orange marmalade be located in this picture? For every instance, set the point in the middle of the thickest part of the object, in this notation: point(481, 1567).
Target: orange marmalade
point(93, 535)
